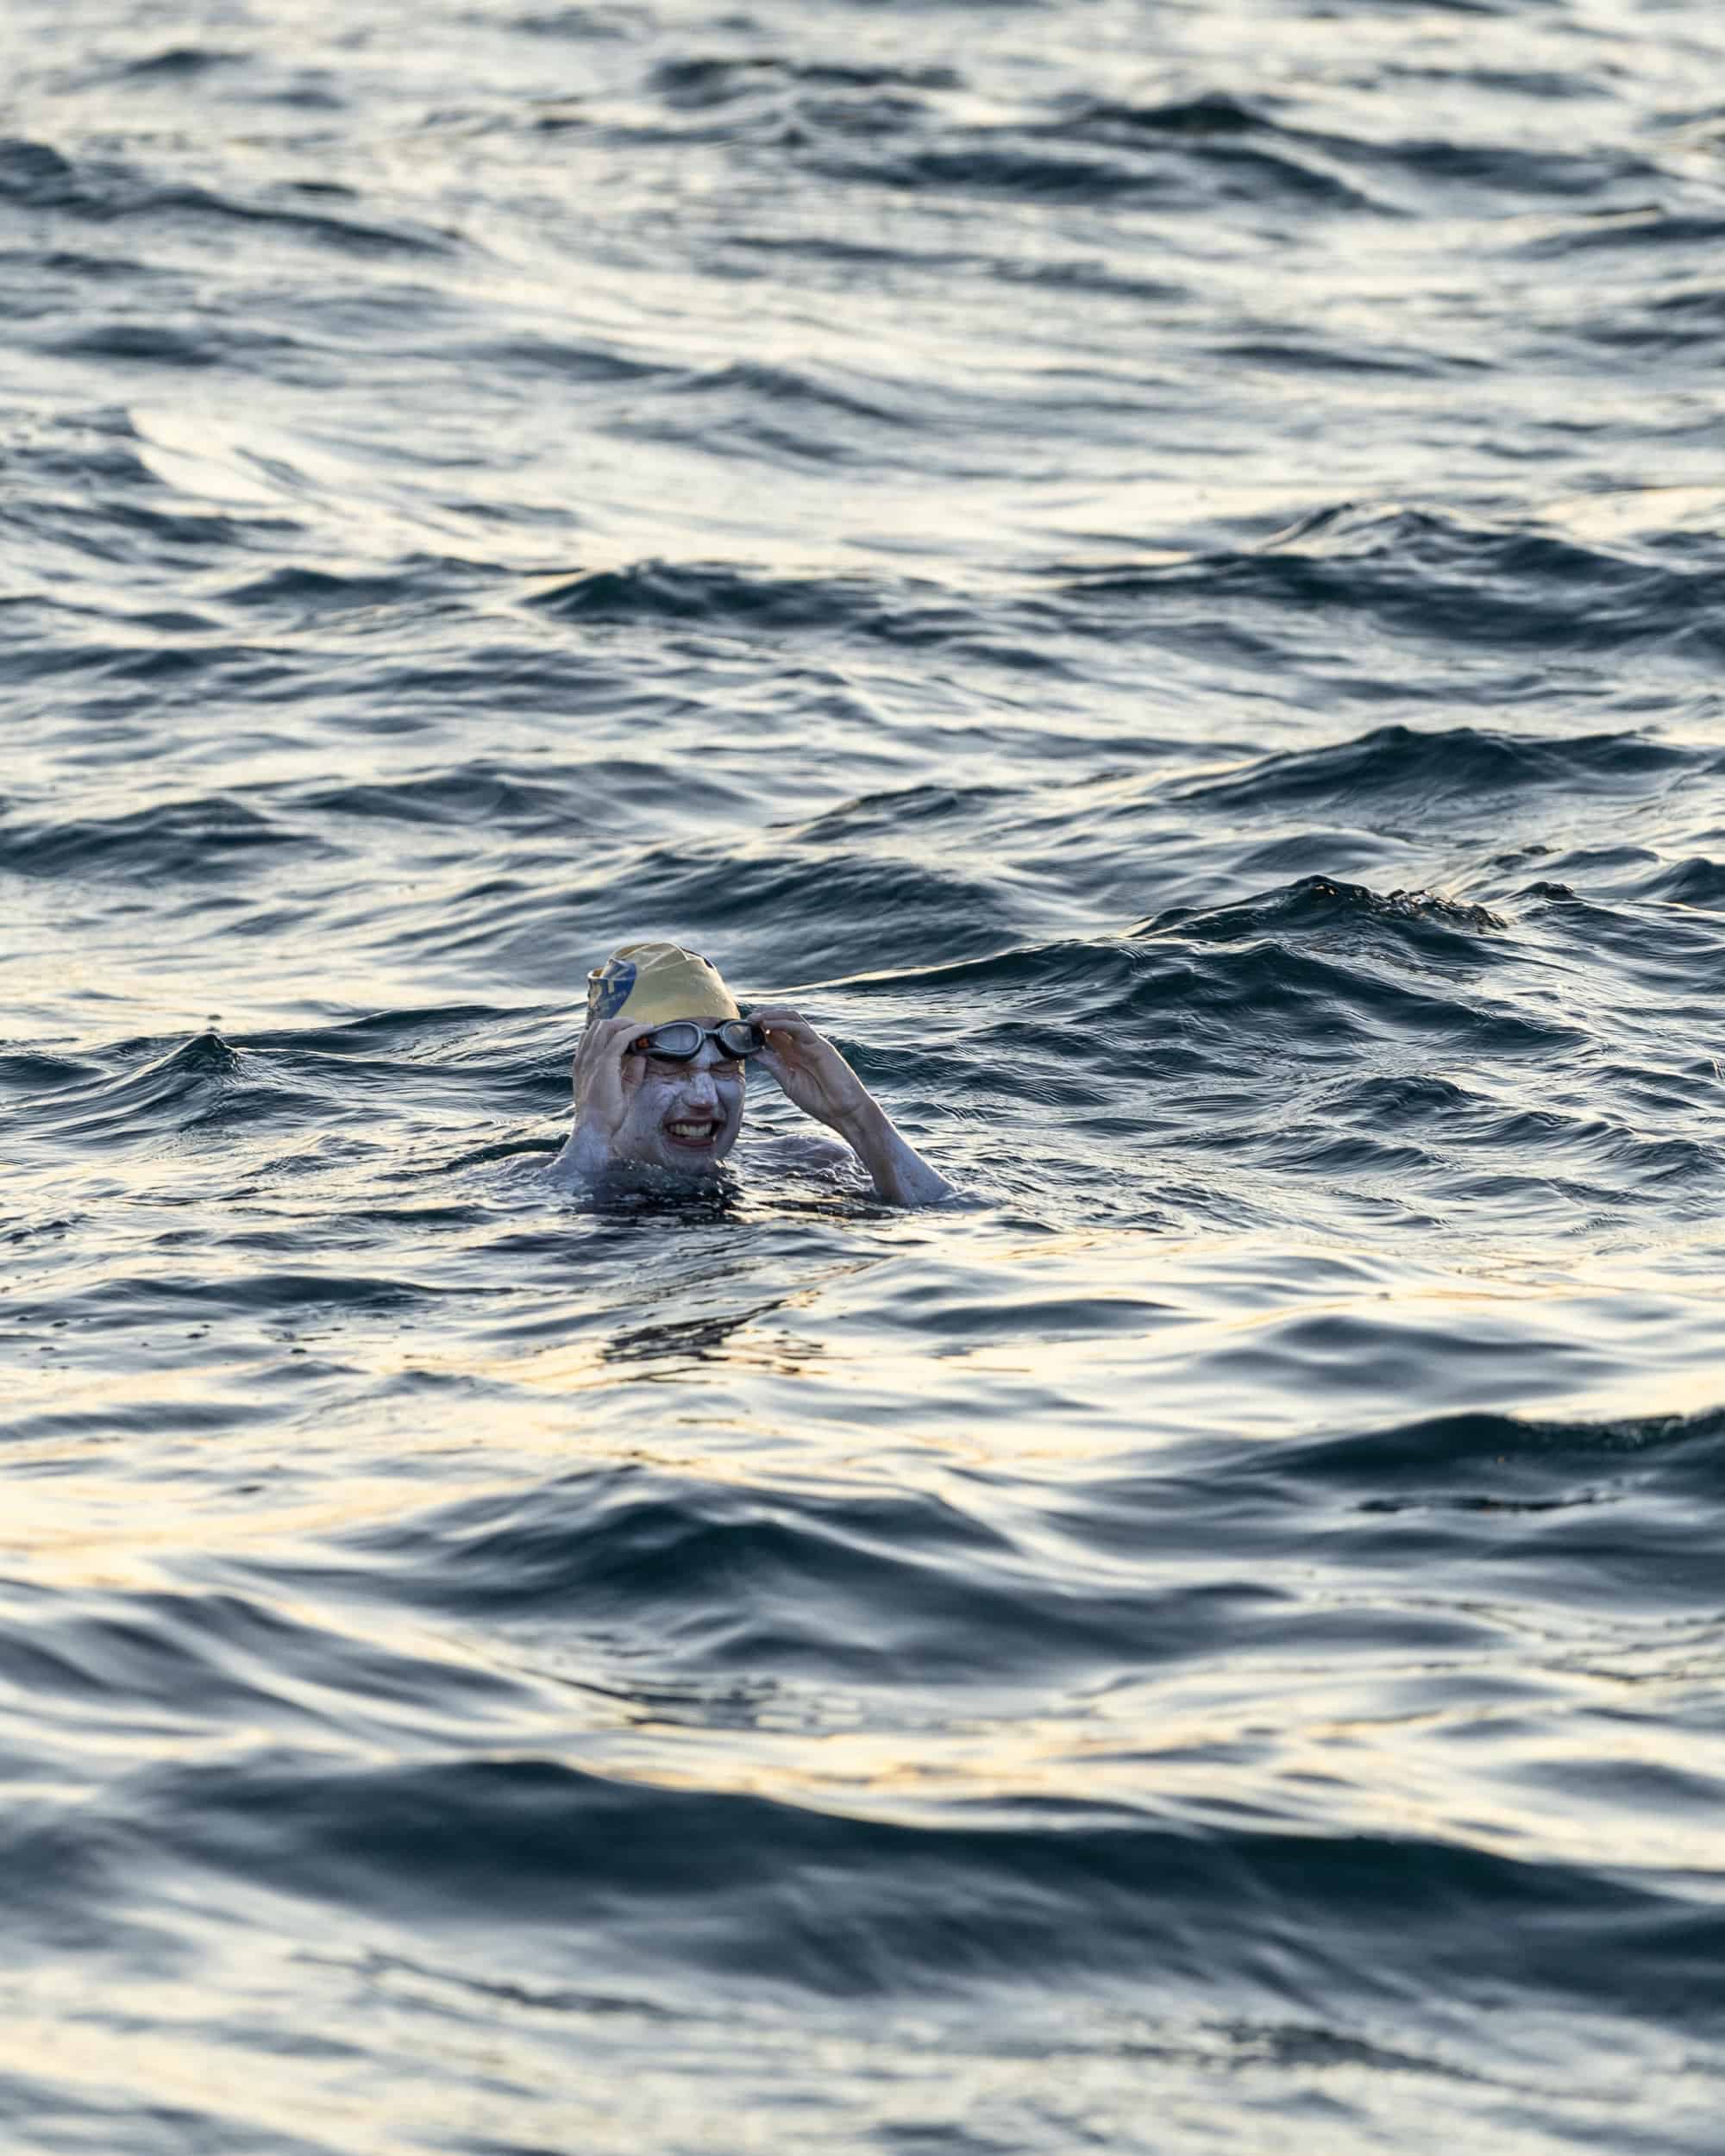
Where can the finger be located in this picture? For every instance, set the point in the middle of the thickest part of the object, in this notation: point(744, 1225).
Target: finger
point(790, 1025)
point(606, 1047)
point(616, 1039)
point(600, 1032)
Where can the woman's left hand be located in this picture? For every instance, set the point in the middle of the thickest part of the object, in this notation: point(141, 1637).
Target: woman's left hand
point(812, 1073)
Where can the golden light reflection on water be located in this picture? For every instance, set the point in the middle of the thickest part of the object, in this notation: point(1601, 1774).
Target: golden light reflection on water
point(1097, 1343)
point(1341, 1745)
point(477, 2043)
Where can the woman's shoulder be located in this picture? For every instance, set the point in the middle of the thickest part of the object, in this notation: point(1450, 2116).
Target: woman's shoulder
point(793, 1149)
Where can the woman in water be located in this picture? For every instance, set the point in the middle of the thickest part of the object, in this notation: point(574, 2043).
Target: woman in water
point(661, 1074)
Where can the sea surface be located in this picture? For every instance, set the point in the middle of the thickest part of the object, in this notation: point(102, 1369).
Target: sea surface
point(1158, 568)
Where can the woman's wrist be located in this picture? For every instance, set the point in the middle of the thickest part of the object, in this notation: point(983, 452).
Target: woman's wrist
point(862, 1125)
point(589, 1149)
point(899, 1172)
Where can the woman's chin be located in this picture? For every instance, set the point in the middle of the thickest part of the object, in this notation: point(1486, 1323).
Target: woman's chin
point(691, 1156)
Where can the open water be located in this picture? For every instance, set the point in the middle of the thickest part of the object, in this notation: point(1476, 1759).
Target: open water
point(1158, 565)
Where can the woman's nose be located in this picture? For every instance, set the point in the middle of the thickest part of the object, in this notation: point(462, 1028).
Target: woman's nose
point(700, 1088)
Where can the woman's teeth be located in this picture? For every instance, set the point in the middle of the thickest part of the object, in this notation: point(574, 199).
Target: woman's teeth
point(694, 1133)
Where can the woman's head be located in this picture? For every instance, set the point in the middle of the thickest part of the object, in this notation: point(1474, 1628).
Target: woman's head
point(684, 1111)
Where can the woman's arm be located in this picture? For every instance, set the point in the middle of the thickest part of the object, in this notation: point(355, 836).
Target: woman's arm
point(816, 1078)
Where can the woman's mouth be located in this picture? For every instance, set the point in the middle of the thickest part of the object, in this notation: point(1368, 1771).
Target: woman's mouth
point(696, 1133)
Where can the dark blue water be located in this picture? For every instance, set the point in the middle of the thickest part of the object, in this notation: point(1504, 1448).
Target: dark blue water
point(1158, 565)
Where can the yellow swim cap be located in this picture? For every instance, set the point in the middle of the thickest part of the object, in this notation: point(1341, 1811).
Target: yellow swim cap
point(657, 982)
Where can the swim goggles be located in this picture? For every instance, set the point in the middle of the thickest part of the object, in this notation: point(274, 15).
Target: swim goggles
point(681, 1041)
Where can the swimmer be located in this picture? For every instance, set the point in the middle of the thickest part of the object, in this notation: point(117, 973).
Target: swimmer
point(661, 1071)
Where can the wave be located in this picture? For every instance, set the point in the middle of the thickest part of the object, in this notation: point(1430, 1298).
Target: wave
point(877, 124)
point(36, 1072)
point(700, 81)
point(1440, 577)
point(1617, 1509)
point(750, 409)
point(1099, 164)
point(1438, 574)
point(896, 813)
point(484, 791)
point(1436, 927)
point(882, 125)
point(783, 1896)
point(1261, 976)
point(1491, 1454)
point(1506, 170)
point(207, 836)
point(36, 176)
point(721, 595)
point(1696, 882)
point(308, 592)
point(605, 20)
point(872, 1584)
point(220, 1653)
point(586, 359)
point(1635, 228)
point(204, 1084)
point(179, 63)
point(1418, 776)
point(1211, 112)
point(1497, 167)
point(165, 344)
point(841, 903)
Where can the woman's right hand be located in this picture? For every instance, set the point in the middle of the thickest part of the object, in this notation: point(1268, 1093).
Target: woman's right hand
point(608, 1070)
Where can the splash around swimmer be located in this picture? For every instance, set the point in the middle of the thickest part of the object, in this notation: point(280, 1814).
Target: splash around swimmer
point(661, 1075)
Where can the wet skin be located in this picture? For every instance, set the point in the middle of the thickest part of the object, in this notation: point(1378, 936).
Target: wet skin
point(633, 1110)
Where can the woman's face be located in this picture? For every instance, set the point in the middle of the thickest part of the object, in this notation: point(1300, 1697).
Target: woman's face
point(684, 1116)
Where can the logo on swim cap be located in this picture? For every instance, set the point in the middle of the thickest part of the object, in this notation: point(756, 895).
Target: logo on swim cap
point(608, 988)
